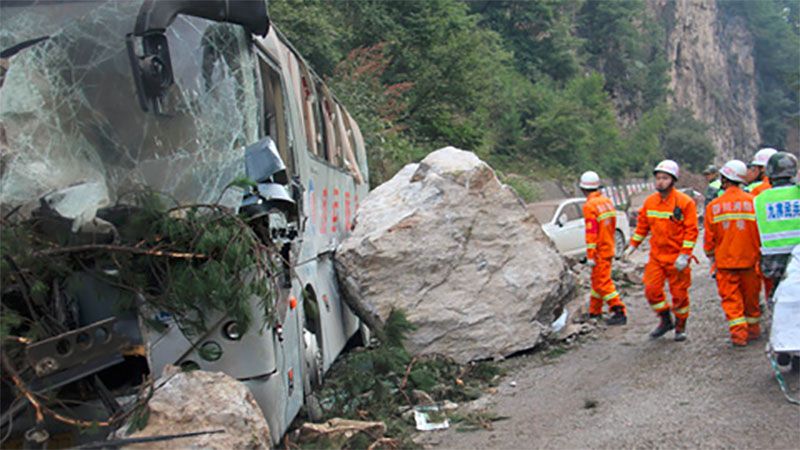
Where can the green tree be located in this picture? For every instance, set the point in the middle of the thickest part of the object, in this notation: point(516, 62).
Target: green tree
point(576, 126)
point(315, 27)
point(684, 140)
point(774, 24)
point(626, 45)
point(540, 35)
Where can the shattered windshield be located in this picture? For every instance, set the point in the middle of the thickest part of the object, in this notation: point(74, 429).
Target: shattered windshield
point(69, 112)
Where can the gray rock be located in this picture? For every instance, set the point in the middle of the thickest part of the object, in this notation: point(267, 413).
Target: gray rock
point(451, 246)
point(204, 401)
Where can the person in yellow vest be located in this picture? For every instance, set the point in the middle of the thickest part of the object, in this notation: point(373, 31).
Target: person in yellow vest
point(758, 182)
point(778, 219)
point(778, 216)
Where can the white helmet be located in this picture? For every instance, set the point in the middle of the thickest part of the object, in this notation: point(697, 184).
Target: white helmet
point(762, 156)
point(590, 180)
point(734, 170)
point(668, 166)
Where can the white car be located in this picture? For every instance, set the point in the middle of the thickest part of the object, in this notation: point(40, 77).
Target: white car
point(562, 221)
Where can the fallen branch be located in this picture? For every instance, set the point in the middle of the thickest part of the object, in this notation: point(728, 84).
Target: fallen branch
point(408, 372)
point(119, 248)
point(115, 443)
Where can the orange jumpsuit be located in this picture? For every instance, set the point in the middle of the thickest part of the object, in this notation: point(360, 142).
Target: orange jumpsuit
point(731, 237)
point(673, 223)
point(765, 184)
point(601, 224)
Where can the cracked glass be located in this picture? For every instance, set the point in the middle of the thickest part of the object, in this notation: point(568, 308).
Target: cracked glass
point(69, 111)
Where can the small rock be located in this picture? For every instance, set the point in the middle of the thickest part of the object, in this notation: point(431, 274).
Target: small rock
point(449, 406)
point(513, 384)
point(421, 398)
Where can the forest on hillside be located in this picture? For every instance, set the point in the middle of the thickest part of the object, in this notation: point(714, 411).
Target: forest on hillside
point(539, 89)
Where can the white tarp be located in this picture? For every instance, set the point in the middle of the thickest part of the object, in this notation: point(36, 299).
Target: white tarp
point(785, 334)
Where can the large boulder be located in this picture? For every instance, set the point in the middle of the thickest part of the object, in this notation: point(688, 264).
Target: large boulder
point(456, 250)
point(197, 401)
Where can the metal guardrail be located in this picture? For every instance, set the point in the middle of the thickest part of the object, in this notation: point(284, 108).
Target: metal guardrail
point(620, 194)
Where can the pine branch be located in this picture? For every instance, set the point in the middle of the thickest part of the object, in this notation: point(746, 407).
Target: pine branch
point(118, 248)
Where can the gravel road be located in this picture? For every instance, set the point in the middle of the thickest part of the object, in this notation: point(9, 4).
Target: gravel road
point(621, 389)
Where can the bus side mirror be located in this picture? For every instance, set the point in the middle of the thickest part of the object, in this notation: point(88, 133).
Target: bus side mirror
point(152, 70)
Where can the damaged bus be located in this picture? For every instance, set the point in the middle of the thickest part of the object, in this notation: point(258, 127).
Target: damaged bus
point(98, 98)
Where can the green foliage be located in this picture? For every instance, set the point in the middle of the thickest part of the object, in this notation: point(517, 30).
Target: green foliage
point(545, 88)
point(378, 383)
point(523, 187)
point(642, 142)
point(191, 262)
point(540, 34)
point(632, 61)
point(685, 141)
point(576, 126)
point(774, 24)
point(315, 27)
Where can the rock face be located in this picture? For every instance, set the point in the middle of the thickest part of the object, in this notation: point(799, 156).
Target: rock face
point(712, 72)
point(456, 250)
point(204, 401)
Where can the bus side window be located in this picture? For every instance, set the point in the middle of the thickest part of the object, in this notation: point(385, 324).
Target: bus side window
point(329, 119)
point(356, 141)
point(346, 140)
point(275, 113)
point(311, 115)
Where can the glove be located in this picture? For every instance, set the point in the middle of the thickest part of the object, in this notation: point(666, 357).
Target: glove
point(682, 262)
point(590, 263)
point(713, 264)
point(628, 252)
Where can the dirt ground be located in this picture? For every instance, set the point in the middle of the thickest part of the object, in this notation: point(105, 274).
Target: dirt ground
point(621, 389)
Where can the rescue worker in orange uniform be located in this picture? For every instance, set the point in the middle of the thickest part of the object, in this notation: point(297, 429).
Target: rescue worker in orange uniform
point(756, 172)
point(671, 217)
point(759, 182)
point(601, 224)
point(733, 243)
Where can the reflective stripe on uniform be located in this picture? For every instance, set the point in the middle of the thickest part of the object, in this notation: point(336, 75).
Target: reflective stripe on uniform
point(591, 245)
point(660, 305)
point(638, 237)
point(659, 214)
point(735, 322)
point(751, 186)
point(733, 216)
point(610, 296)
point(785, 250)
point(781, 235)
point(752, 320)
point(606, 215)
point(594, 294)
point(684, 310)
point(688, 244)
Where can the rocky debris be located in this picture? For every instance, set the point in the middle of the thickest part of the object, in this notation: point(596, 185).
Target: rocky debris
point(340, 433)
point(455, 249)
point(186, 402)
point(629, 272)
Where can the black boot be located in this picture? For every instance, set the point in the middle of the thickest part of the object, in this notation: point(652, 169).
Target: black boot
point(618, 318)
point(665, 325)
point(680, 330)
